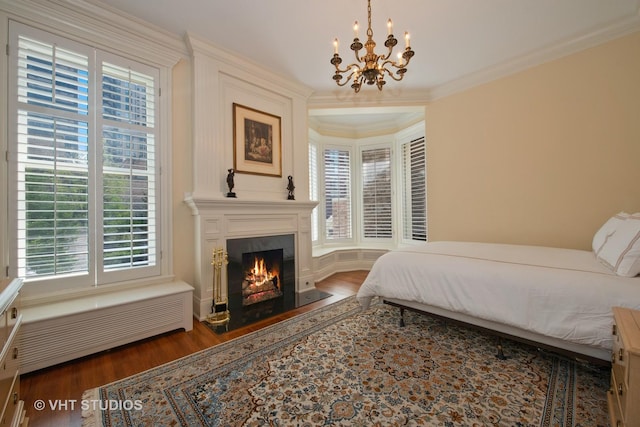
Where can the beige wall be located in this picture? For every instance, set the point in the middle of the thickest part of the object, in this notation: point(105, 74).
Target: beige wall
point(541, 157)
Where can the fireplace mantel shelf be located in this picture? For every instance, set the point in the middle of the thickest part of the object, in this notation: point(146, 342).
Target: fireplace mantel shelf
point(198, 204)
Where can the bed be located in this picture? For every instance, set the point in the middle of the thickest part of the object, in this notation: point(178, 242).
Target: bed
point(559, 299)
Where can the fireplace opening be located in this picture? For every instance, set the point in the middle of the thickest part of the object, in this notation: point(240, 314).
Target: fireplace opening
point(261, 280)
point(261, 276)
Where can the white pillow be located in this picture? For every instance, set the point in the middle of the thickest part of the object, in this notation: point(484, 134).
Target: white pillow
point(607, 229)
point(621, 250)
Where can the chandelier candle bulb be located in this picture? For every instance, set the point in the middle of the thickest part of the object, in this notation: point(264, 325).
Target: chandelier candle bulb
point(389, 27)
point(407, 37)
point(355, 30)
point(335, 46)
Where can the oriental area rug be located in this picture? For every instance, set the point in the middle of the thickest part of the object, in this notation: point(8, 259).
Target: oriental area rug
point(340, 366)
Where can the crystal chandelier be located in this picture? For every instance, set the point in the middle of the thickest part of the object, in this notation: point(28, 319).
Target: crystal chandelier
point(371, 68)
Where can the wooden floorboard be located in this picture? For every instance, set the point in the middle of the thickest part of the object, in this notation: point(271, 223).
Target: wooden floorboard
point(64, 384)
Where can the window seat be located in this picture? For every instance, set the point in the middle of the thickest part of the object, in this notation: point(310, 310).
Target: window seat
point(60, 331)
point(329, 260)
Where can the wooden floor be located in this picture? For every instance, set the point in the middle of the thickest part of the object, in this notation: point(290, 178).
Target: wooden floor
point(63, 385)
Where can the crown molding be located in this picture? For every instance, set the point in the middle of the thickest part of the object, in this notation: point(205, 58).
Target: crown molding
point(556, 51)
point(104, 27)
point(369, 97)
point(383, 121)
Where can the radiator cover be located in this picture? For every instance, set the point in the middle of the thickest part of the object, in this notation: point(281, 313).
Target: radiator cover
point(48, 341)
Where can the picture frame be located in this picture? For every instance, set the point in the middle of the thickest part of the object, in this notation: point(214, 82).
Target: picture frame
point(257, 142)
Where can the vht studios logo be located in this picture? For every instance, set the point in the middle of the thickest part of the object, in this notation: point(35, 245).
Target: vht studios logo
point(87, 404)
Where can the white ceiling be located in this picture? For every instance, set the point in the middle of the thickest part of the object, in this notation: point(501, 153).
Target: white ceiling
point(452, 39)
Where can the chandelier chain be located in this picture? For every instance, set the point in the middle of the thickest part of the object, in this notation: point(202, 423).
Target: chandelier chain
point(369, 30)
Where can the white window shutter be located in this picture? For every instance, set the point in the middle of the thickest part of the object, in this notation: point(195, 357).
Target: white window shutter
point(337, 199)
point(414, 198)
point(86, 169)
point(377, 221)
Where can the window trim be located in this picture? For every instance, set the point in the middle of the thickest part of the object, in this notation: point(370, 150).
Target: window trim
point(160, 57)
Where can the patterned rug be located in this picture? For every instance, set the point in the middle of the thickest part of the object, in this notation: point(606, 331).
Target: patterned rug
point(339, 366)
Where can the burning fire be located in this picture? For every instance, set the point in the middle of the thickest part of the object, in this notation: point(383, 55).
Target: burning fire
point(260, 282)
point(259, 274)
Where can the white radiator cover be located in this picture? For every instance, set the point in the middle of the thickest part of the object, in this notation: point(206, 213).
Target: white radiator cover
point(67, 332)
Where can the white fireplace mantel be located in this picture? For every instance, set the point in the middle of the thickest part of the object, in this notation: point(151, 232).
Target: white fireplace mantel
point(219, 219)
point(198, 204)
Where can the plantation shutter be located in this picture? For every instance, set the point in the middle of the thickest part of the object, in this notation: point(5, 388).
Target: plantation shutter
point(337, 200)
point(313, 188)
point(86, 172)
point(52, 171)
point(376, 193)
point(128, 168)
point(414, 200)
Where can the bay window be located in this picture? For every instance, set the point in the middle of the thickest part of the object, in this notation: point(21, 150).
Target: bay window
point(378, 197)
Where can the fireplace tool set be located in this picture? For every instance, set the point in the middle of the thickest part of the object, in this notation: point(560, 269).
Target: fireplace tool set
point(219, 306)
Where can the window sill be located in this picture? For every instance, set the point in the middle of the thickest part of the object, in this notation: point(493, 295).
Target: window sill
point(320, 251)
point(113, 297)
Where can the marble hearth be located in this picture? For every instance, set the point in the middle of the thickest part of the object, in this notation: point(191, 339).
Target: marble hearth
point(223, 219)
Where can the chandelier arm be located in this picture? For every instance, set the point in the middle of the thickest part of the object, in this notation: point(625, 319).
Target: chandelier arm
point(343, 83)
point(407, 60)
point(349, 77)
point(388, 55)
point(394, 64)
point(406, 57)
point(348, 68)
point(385, 57)
point(392, 75)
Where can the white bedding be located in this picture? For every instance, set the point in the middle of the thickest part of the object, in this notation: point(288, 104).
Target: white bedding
point(561, 293)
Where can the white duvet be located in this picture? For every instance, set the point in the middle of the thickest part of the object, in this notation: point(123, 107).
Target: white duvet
point(561, 293)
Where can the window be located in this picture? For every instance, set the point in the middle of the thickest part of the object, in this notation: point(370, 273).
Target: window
point(337, 197)
point(376, 193)
point(414, 195)
point(86, 175)
point(388, 206)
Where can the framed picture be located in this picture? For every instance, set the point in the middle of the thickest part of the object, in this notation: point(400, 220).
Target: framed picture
point(257, 142)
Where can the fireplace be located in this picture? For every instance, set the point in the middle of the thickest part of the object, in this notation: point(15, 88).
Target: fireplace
point(220, 221)
point(261, 277)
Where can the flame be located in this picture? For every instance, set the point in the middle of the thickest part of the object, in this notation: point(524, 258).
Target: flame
point(259, 269)
point(259, 274)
